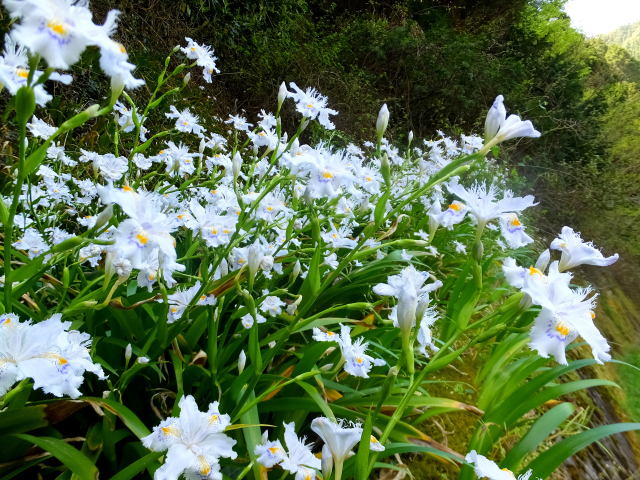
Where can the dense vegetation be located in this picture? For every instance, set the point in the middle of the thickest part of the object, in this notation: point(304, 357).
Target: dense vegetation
point(627, 36)
point(435, 63)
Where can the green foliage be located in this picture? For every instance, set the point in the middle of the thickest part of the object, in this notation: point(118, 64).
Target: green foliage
point(630, 382)
point(627, 37)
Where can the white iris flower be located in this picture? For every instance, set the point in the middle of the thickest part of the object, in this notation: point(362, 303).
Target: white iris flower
point(576, 251)
point(499, 128)
point(356, 361)
point(485, 468)
point(55, 357)
point(313, 105)
point(194, 441)
point(59, 30)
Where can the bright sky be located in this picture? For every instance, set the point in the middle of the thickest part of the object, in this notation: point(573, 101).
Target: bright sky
point(594, 17)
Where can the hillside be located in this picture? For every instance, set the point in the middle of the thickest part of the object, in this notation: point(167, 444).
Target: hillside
point(627, 37)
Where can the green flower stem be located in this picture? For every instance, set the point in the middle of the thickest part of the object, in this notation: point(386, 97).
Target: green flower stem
point(436, 363)
point(273, 388)
point(8, 227)
point(407, 351)
point(212, 338)
point(338, 468)
point(244, 472)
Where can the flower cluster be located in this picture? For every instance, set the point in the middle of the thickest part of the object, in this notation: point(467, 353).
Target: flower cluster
point(566, 312)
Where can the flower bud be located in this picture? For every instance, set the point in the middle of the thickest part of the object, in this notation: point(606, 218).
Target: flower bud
point(81, 117)
point(382, 122)
point(282, 94)
point(242, 361)
point(410, 136)
point(142, 360)
point(254, 260)
point(236, 164)
point(117, 87)
point(543, 260)
point(127, 354)
point(186, 79)
point(103, 217)
point(223, 269)
point(329, 366)
point(297, 268)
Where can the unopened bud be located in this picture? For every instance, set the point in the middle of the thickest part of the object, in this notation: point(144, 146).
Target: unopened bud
point(103, 217)
point(410, 137)
point(186, 79)
point(81, 117)
point(382, 122)
point(297, 268)
point(242, 361)
point(254, 259)
point(543, 260)
point(127, 354)
point(282, 94)
point(117, 87)
point(224, 267)
point(329, 366)
point(236, 164)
